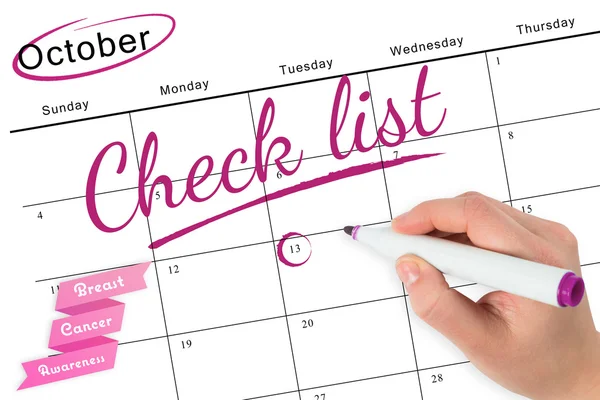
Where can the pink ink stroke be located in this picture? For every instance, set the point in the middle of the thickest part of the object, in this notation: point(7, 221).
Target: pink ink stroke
point(331, 177)
point(21, 73)
point(281, 255)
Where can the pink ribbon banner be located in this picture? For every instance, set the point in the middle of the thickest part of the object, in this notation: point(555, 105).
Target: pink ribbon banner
point(80, 336)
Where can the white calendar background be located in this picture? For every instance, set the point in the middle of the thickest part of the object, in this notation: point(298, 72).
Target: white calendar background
point(222, 317)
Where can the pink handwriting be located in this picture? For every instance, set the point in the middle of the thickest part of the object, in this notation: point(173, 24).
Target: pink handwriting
point(148, 159)
point(281, 253)
point(323, 180)
point(337, 122)
point(203, 166)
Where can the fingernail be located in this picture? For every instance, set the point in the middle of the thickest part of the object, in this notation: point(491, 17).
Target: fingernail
point(400, 217)
point(408, 271)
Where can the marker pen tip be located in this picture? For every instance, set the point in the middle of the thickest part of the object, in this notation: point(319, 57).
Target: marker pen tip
point(348, 230)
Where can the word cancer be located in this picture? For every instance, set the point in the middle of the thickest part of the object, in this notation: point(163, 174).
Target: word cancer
point(391, 133)
point(67, 329)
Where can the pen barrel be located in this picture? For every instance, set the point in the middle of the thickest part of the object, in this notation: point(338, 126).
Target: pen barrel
point(499, 271)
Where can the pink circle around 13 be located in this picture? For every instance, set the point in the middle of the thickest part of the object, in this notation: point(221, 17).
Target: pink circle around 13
point(294, 249)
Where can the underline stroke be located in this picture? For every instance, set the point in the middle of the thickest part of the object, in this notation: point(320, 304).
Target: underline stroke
point(331, 177)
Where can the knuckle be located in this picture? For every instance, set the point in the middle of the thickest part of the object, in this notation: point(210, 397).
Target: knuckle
point(427, 207)
point(476, 206)
point(470, 193)
point(432, 311)
point(546, 254)
point(564, 234)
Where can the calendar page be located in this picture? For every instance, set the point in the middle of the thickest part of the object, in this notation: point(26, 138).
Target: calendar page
point(213, 153)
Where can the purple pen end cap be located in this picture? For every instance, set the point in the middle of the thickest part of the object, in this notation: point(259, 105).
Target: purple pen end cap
point(355, 231)
point(570, 290)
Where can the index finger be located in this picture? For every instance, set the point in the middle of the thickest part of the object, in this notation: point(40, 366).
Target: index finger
point(485, 225)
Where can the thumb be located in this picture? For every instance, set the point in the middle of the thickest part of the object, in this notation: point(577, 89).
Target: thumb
point(467, 324)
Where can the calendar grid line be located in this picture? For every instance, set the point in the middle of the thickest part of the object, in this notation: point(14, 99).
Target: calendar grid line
point(271, 395)
point(412, 340)
point(199, 253)
point(360, 303)
point(387, 375)
point(243, 92)
point(143, 340)
point(551, 116)
point(245, 168)
point(498, 127)
point(178, 180)
point(387, 194)
point(287, 322)
point(363, 379)
point(212, 328)
point(418, 139)
point(226, 329)
point(207, 252)
point(306, 312)
point(241, 246)
point(84, 273)
point(254, 244)
point(559, 192)
point(367, 302)
point(589, 264)
point(445, 365)
point(156, 270)
point(322, 156)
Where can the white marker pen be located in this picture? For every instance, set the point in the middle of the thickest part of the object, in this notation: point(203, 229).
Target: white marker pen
point(544, 283)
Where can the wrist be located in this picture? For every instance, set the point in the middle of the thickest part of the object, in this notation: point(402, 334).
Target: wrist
point(587, 386)
point(581, 378)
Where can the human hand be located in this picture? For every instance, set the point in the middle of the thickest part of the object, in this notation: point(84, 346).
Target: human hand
point(530, 348)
